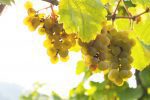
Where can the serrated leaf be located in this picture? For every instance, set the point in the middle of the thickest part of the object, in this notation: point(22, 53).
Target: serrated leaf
point(145, 77)
point(131, 93)
point(7, 2)
point(140, 54)
point(144, 3)
point(83, 17)
point(143, 29)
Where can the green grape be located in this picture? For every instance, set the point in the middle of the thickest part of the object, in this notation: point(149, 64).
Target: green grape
point(102, 55)
point(130, 59)
point(92, 51)
point(57, 44)
point(114, 65)
point(118, 81)
point(63, 53)
point(67, 44)
point(64, 59)
point(48, 23)
point(99, 46)
point(125, 74)
point(104, 39)
point(103, 65)
point(124, 61)
point(94, 60)
point(115, 50)
point(123, 54)
point(113, 73)
point(127, 67)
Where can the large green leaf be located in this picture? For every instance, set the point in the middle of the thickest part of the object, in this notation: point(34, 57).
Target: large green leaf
point(145, 77)
point(82, 16)
point(131, 93)
point(7, 2)
point(141, 54)
point(143, 29)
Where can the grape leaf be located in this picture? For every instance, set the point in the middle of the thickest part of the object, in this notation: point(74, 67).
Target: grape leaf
point(82, 16)
point(144, 76)
point(81, 67)
point(143, 29)
point(144, 3)
point(7, 2)
point(140, 54)
point(131, 93)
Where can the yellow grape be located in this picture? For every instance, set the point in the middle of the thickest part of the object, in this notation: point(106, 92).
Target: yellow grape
point(27, 20)
point(64, 59)
point(113, 73)
point(52, 52)
point(31, 12)
point(63, 53)
point(28, 5)
point(103, 65)
point(41, 31)
point(35, 22)
point(125, 74)
point(47, 43)
point(118, 81)
point(54, 59)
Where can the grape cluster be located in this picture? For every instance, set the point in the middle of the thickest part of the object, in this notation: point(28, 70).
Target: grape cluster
point(33, 20)
point(57, 42)
point(95, 52)
point(120, 56)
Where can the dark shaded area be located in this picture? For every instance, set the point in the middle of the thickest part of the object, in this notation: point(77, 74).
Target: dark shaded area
point(2, 7)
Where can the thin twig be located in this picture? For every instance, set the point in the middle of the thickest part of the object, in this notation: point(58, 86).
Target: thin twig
point(114, 13)
point(130, 17)
point(43, 9)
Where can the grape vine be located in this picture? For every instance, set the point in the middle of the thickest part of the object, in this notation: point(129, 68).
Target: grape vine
point(109, 50)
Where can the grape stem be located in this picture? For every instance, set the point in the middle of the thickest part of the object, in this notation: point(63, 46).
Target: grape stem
point(113, 17)
point(129, 17)
point(43, 8)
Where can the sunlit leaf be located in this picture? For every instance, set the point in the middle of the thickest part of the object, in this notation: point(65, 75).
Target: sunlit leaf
point(81, 67)
point(140, 54)
point(82, 16)
point(143, 29)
